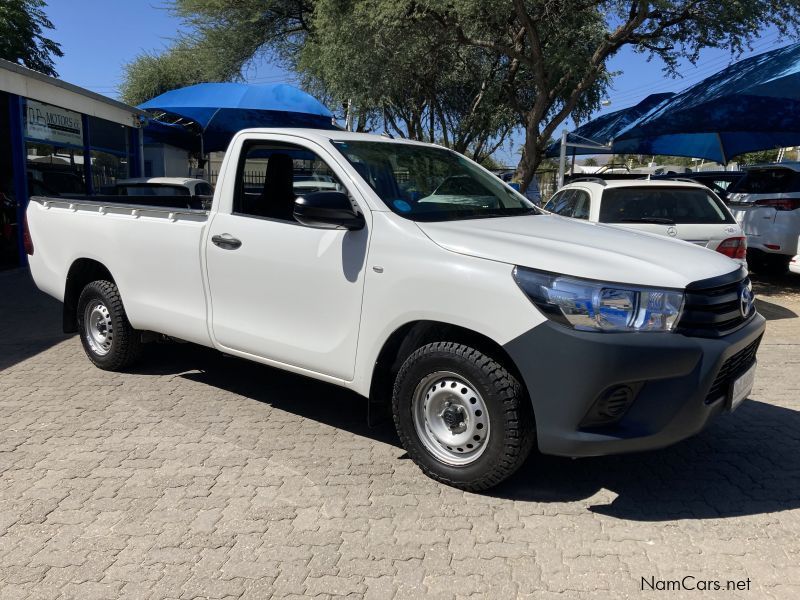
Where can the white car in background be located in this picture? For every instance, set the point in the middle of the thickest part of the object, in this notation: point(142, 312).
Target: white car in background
point(794, 264)
point(156, 190)
point(766, 203)
point(162, 186)
point(680, 209)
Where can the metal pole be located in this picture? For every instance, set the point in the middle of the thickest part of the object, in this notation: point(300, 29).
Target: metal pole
point(140, 142)
point(562, 160)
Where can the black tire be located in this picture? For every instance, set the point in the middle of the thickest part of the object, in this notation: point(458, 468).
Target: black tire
point(768, 264)
point(125, 346)
point(512, 432)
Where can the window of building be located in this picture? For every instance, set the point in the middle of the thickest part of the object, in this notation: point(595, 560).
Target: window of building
point(107, 168)
point(55, 170)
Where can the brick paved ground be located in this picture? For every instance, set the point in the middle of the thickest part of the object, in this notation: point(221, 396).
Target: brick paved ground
point(199, 476)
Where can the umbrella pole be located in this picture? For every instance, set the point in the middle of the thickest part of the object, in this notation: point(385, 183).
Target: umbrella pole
point(722, 151)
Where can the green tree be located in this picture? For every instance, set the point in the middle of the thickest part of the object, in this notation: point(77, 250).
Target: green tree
point(458, 70)
point(388, 59)
point(754, 158)
point(556, 52)
point(590, 162)
point(402, 74)
point(22, 39)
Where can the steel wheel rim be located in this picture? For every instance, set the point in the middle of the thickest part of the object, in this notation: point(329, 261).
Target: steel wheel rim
point(99, 328)
point(450, 418)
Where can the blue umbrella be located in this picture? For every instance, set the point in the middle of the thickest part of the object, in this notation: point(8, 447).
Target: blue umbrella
point(221, 109)
point(605, 128)
point(751, 105)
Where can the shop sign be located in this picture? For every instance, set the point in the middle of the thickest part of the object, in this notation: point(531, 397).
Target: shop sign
point(53, 124)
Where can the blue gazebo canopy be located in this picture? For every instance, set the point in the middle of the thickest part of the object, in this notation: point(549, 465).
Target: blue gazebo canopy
point(751, 105)
point(605, 128)
point(218, 110)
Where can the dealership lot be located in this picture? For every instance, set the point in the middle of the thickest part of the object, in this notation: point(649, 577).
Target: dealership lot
point(201, 476)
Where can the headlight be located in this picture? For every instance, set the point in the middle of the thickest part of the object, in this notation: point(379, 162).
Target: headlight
point(596, 306)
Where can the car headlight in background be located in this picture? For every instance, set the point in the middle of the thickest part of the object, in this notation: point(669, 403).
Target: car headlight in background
point(597, 306)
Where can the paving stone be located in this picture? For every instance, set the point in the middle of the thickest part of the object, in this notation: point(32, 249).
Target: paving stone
point(197, 475)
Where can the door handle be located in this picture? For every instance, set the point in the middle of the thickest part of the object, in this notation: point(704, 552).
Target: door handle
point(226, 241)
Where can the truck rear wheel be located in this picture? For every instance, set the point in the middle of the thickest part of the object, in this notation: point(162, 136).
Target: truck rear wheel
point(106, 334)
point(461, 416)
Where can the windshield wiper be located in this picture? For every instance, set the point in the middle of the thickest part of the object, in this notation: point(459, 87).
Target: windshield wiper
point(659, 220)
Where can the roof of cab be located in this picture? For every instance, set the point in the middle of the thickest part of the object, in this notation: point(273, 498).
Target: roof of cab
point(325, 135)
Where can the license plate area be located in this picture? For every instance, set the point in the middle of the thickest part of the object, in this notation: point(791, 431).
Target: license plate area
point(741, 387)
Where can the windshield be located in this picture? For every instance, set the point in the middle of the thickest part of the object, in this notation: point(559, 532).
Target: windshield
point(665, 205)
point(423, 183)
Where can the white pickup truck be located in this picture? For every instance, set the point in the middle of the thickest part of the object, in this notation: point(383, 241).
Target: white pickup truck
point(421, 281)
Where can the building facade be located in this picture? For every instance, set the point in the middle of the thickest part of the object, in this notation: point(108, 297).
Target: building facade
point(57, 139)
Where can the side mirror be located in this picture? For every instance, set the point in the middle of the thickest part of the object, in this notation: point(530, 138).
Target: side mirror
point(327, 210)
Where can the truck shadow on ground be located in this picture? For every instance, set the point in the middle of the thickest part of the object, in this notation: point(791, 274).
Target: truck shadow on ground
point(772, 311)
point(30, 322)
point(744, 463)
point(296, 394)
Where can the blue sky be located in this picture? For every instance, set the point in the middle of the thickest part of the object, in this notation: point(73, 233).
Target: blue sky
point(99, 36)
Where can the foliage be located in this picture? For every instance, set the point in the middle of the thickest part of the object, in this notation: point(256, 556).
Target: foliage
point(463, 72)
point(589, 162)
point(754, 158)
point(400, 72)
point(556, 52)
point(21, 35)
point(385, 56)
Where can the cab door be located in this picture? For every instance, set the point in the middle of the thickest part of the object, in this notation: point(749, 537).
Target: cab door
point(281, 291)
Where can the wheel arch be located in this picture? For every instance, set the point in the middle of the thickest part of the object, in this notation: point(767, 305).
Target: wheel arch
point(404, 340)
point(81, 272)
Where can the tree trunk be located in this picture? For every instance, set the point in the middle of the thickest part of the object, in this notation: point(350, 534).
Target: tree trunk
point(532, 155)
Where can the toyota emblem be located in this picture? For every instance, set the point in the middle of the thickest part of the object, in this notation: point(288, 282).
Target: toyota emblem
point(672, 231)
point(746, 299)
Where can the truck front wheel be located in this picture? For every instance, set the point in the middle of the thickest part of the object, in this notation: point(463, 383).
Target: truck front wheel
point(461, 416)
point(106, 334)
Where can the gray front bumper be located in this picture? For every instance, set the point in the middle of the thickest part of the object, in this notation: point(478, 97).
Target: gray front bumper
point(565, 371)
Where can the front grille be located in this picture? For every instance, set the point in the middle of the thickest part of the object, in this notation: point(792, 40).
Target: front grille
point(731, 369)
point(712, 306)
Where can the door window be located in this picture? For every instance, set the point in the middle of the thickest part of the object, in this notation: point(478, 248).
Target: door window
point(582, 204)
point(556, 203)
point(563, 203)
point(272, 175)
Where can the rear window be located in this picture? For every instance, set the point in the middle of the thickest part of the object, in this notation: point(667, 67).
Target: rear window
point(768, 181)
point(203, 189)
point(662, 205)
point(153, 190)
